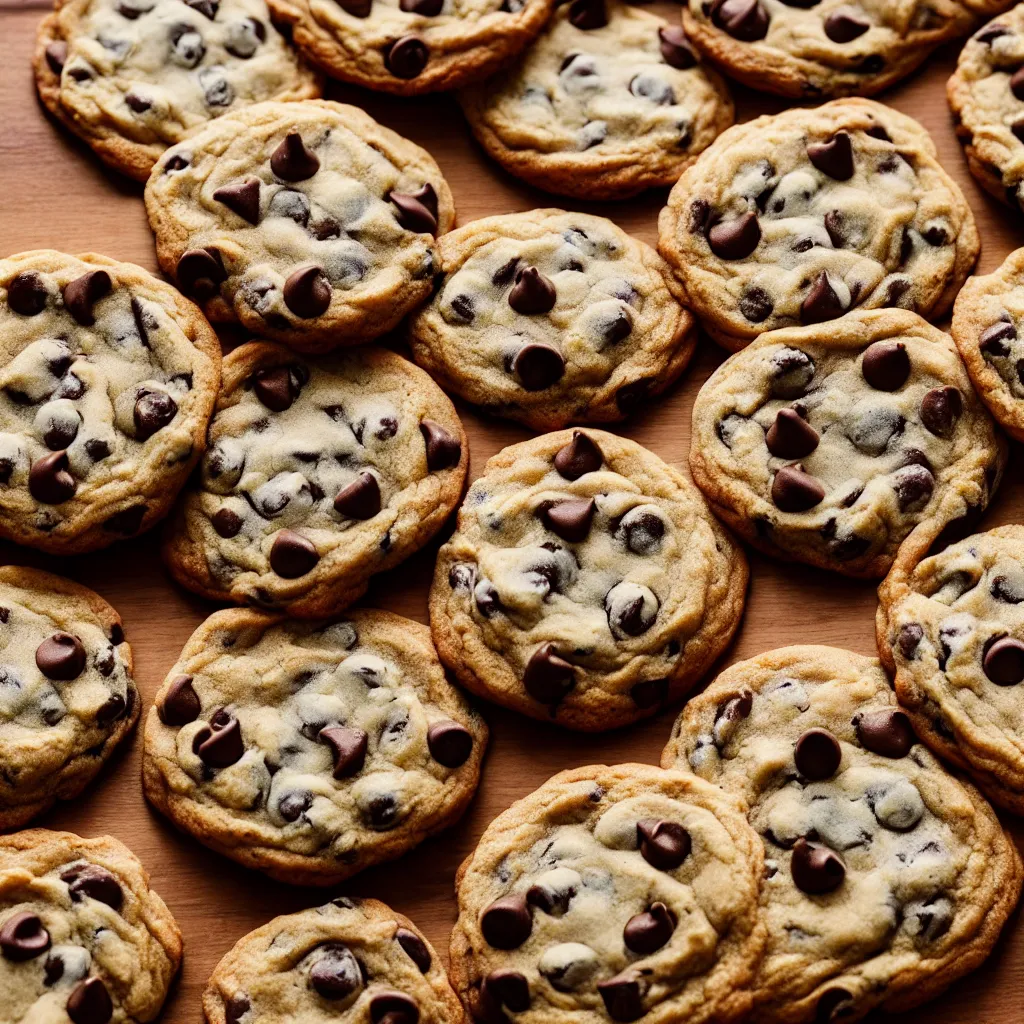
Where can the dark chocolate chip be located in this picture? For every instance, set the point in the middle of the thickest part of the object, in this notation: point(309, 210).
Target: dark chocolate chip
point(822, 302)
point(407, 57)
point(622, 997)
point(424, 8)
point(227, 523)
point(755, 305)
point(57, 55)
point(276, 387)
point(941, 408)
point(307, 292)
point(735, 239)
point(349, 749)
point(570, 519)
point(1003, 662)
point(663, 844)
point(292, 556)
point(95, 882)
point(223, 745)
point(647, 932)
point(909, 638)
point(914, 486)
point(815, 868)
point(359, 499)
point(817, 754)
point(416, 949)
point(336, 974)
point(548, 677)
point(507, 922)
point(844, 27)
point(579, 457)
point(293, 160)
point(793, 490)
point(533, 292)
point(675, 47)
point(886, 732)
point(200, 273)
point(26, 294)
point(23, 937)
point(791, 436)
point(886, 365)
point(357, 8)
point(242, 198)
point(89, 1003)
point(417, 211)
point(833, 1005)
point(83, 293)
point(153, 411)
point(588, 14)
point(834, 158)
point(746, 20)
point(449, 743)
point(538, 366)
point(61, 657)
point(993, 340)
point(236, 1008)
point(393, 1008)
point(180, 704)
point(50, 481)
point(443, 450)
point(504, 988)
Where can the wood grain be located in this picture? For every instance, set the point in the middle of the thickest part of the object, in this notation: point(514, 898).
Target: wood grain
point(54, 193)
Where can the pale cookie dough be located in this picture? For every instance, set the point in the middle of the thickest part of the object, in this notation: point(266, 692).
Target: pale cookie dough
point(609, 101)
point(132, 77)
point(830, 444)
point(552, 318)
point(611, 894)
point(308, 223)
point(107, 381)
point(83, 938)
point(319, 474)
point(311, 750)
point(886, 878)
point(800, 217)
point(410, 47)
point(586, 583)
point(348, 962)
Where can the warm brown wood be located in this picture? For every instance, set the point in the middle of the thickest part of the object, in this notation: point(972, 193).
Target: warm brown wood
point(53, 193)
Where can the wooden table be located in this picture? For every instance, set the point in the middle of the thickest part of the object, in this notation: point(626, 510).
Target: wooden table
point(53, 193)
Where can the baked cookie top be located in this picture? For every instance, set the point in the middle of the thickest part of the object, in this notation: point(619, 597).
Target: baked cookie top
point(829, 444)
point(349, 961)
point(885, 878)
point(311, 750)
point(609, 101)
point(132, 77)
point(611, 894)
point(586, 582)
point(412, 46)
point(319, 474)
point(551, 318)
point(832, 48)
point(307, 222)
point(82, 935)
point(799, 217)
point(107, 380)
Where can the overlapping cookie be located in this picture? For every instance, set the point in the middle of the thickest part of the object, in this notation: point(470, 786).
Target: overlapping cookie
point(586, 583)
point(829, 444)
point(552, 318)
point(609, 101)
point(132, 77)
point(800, 217)
point(308, 223)
point(107, 381)
point(319, 474)
point(886, 878)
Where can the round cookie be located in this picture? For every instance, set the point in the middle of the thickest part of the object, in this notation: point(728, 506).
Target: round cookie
point(950, 630)
point(810, 50)
point(132, 77)
point(800, 217)
point(551, 318)
point(886, 878)
point(349, 961)
point(611, 894)
point(107, 380)
point(319, 474)
point(67, 695)
point(609, 101)
point(410, 47)
point(586, 583)
point(308, 223)
point(829, 444)
point(82, 936)
point(311, 750)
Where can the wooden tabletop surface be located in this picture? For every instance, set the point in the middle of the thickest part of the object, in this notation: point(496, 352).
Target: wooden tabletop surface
point(53, 193)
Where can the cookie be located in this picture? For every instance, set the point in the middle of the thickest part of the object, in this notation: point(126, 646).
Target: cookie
point(351, 960)
point(609, 101)
point(319, 474)
point(586, 583)
point(551, 318)
point(107, 381)
point(308, 223)
point(83, 938)
point(311, 750)
point(67, 694)
point(415, 46)
point(800, 217)
point(886, 878)
point(611, 894)
point(829, 444)
point(132, 77)
point(812, 50)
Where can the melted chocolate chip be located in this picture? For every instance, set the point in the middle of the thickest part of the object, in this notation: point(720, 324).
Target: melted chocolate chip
point(817, 754)
point(393, 1008)
point(993, 340)
point(622, 997)
point(50, 481)
point(443, 450)
point(417, 211)
point(349, 748)
point(746, 20)
point(276, 387)
point(822, 302)
point(200, 273)
point(548, 677)
point(336, 974)
point(89, 1003)
point(221, 745)
point(227, 523)
point(676, 50)
point(588, 14)
point(834, 158)
point(95, 882)
point(504, 988)
point(407, 57)
point(843, 26)
point(56, 55)
point(815, 868)
point(23, 937)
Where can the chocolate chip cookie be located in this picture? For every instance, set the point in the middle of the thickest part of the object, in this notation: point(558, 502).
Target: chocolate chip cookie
point(82, 936)
point(319, 474)
point(107, 381)
point(132, 77)
point(351, 960)
point(586, 583)
point(551, 318)
point(308, 223)
point(311, 750)
point(413, 46)
point(609, 101)
point(809, 50)
point(611, 894)
point(886, 878)
point(799, 217)
point(829, 444)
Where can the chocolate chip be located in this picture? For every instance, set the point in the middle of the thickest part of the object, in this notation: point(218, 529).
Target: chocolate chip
point(993, 340)
point(415, 948)
point(221, 745)
point(200, 273)
point(817, 754)
point(50, 481)
point(746, 20)
point(1003, 662)
point(791, 436)
point(507, 922)
point(822, 302)
point(153, 411)
point(83, 293)
point(622, 997)
point(417, 211)
point(538, 366)
point(226, 523)
point(579, 457)
point(307, 292)
point(588, 14)
point(570, 519)
point(793, 490)
point(236, 1008)
point(886, 365)
point(26, 294)
point(449, 743)
point(843, 27)
point(242, 198)
point(1017, 83)
point(675, 47)
point(89, 1003)
point(349, 749)
point(533, 292)
point(941, 408)
point(443, 450)
point(276, 387)
point(180, 704)
point(393, 1008)
point(834, 1004)
point(735, 239)
point(56, 55)
point(23, 937)
point(886, 732)
point(815, 868)
point(336, 975)
point(61, 657)
point(647, 932)
point(663, 844)
point(424, 8)
point(548, 677)
point(504, 988)
point(407, 57)
point(293, 160)
point(359, 499)
point(95, 882)
point(834, 158)
point(357, 8)
point(755, 305)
